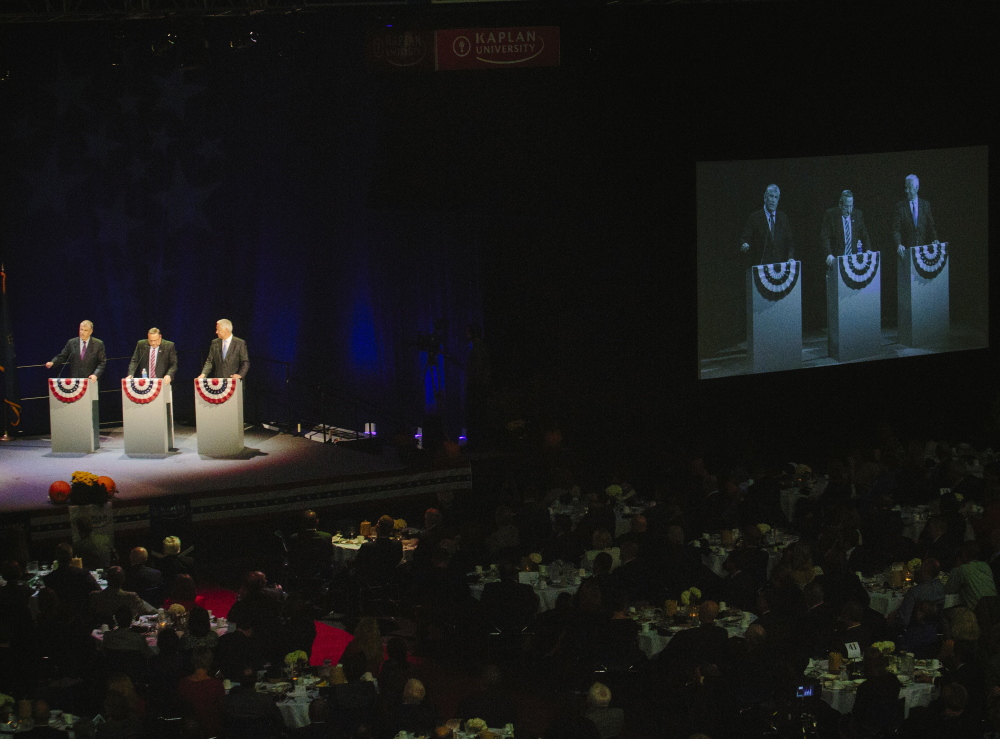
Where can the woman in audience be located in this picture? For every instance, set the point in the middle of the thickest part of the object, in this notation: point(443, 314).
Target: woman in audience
point(199, 631)
point(185, 593)
point(203, 693)
point(368, 641)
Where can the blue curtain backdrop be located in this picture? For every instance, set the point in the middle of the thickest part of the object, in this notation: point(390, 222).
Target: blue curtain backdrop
point(172, 191)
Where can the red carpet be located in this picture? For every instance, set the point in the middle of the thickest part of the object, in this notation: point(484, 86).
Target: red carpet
point(330, 644)
point(218, 600)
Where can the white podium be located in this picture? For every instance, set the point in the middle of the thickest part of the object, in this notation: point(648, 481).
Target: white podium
point(774, 316)
point(218, 410)
point(924, 314)
point(147, 415)
point(73, 415)
point(854, 306)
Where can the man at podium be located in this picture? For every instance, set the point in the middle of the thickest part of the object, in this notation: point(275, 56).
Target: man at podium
point(156, 356)
point(767, 237)
point(914, 223)
point(84, 355)
point(844, 231)
point(228, 355)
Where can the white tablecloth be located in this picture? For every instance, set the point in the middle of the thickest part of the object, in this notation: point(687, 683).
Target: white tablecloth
point(916, 694)
point(546, 593)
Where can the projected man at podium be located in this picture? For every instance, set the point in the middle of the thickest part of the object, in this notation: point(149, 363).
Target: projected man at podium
point(767, 237)
point(844, 231)
point(154, 355)
point(84, 355)
point(914, 223)
point(228, 355)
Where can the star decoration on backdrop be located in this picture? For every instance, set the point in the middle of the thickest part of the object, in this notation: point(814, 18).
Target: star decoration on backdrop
point(136, 169)
point(210, 149)
point(161, 140)
point(114, 224)
point(49, 186)
point(174, 93)
point(70, 92)
point(99, 145)
point(128, 103)
point(183, 202)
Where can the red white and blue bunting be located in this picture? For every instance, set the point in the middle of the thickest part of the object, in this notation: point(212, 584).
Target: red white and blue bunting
point(858, 270)
point(930, 259)
point(216, 389)
point(142, 390)
point(68, 390)
point(775, 281)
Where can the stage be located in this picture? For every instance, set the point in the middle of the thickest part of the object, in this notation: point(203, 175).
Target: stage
point(276, 473)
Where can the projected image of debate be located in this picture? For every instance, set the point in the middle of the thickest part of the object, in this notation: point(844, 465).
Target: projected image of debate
point(821, 261)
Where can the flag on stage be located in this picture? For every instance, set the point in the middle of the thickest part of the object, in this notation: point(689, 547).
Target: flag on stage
point(8, 366)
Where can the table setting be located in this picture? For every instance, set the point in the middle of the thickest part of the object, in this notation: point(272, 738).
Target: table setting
point(546, 580)
point(840, 678)
point(346, 547)
point(150, 625)
point(657, 626)
point(715, 548)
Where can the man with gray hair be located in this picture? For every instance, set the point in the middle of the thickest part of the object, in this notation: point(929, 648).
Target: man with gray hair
point(914, 223)
point(228, 355)
point(767, 236)
point(84, 355)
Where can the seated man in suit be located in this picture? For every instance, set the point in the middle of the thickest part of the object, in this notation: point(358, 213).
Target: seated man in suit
point(154, 355)
point(310, 552)
point(84, 355)
point(508, 604)
point(104, 603)
point(844, 231)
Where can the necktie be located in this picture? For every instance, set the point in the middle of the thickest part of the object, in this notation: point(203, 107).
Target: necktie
point(847, 236)
point(225, 347)
point(83, 349)
point(152, 362)
point(913, 207)
point(770, 221)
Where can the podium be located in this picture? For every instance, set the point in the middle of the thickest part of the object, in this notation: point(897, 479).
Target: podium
point(147, 415)
point(854, 306)
point(924, 317)
point(218, 410)
point(73, 415)
point(774, 316)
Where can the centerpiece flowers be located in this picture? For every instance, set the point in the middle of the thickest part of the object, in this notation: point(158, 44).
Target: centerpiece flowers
point(885, 647)
point(298, 657)
point(398, 525)
point(84, 488)
point(689, 596)
point(475, 726)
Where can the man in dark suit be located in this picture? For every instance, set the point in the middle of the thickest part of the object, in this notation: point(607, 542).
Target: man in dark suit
point(914, 224)
point(228, 355)
point(156, 356)
point(844, 231)
point(84, 355)
point(767, 236)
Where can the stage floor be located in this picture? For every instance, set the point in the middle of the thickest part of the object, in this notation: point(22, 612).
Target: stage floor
point(276, 472)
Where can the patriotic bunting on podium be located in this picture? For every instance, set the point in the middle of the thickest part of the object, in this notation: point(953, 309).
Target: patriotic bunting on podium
point(930, 259)
point(141, 390)
point(215, 389)
point(68, 390)
point(775, 281)
point(858, 270)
